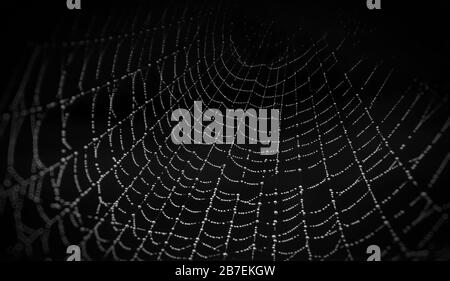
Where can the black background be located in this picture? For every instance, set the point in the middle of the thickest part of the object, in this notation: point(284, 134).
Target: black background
point(412, 35)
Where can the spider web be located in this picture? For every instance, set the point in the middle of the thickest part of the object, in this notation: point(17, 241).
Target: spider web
point(88, 159)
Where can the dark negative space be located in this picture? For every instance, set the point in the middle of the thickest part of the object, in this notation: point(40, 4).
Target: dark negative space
point(86, 156)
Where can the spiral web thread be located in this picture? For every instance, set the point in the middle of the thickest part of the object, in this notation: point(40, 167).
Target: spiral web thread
point(89, 160)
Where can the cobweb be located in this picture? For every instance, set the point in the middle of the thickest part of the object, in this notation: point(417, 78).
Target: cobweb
point(87, 157)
